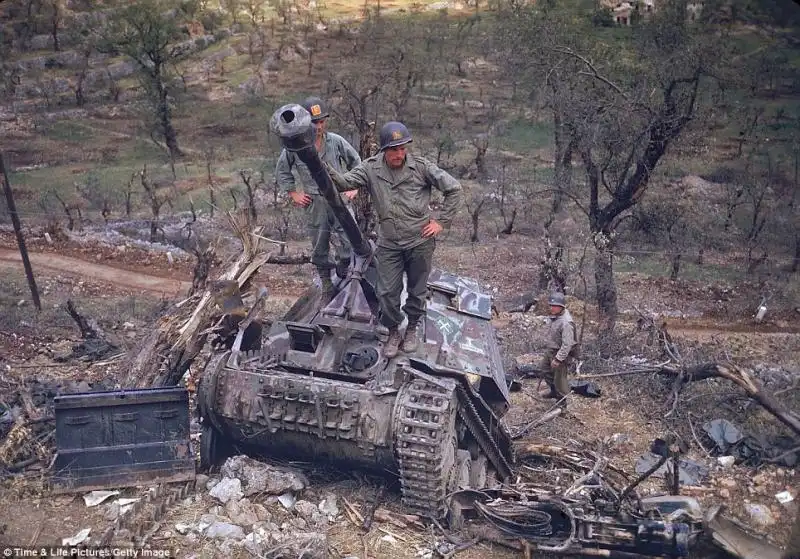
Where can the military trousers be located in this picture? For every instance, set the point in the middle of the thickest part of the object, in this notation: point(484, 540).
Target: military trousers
point(556, 377)
point(416, 264)
point(325, 230)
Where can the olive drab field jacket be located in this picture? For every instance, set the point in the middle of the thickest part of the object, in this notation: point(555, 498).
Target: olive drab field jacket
point(562, 337)
point(337, 153)
point(402, 197)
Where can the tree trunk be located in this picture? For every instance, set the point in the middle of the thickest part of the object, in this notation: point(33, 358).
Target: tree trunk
point(165, 116)
point(476, 216)
point(676, 266)
point(796, 259)
point(606, 294)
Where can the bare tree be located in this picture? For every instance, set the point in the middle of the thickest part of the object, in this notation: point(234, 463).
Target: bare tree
point(129, 194)
point(251, 186)
point(208, 155)
point(55, 17)
point(146, 32)
point(233, 7)
point(618, 120)
point(157, 199)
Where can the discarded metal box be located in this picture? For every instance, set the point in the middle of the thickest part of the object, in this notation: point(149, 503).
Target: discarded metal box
point(122, 438)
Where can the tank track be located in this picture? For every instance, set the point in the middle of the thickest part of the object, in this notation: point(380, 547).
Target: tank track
point(424, 427)
point(145, 517)
point(470, 416)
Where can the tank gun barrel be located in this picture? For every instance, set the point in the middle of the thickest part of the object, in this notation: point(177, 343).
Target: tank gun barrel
point(293, 124)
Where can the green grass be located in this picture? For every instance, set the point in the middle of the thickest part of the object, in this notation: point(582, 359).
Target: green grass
point(659, 266)
point(67, 131)
point(522, 136)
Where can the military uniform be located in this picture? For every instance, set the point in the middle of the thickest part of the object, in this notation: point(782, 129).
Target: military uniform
point(401, 198)
point(340, 155)
point(562, 345)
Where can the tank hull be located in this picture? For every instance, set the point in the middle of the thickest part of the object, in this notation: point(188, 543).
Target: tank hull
point(301, 417)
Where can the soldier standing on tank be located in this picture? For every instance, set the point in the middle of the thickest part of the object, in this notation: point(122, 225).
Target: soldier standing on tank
point(340, 155)
point(562, 348)
point(400, 185)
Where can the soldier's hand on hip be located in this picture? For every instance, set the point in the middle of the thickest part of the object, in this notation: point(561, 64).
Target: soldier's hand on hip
point(432, 228)
point(350, 194)
point(555, 363)
point(300, 198)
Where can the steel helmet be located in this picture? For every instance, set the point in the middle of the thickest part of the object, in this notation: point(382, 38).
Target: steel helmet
point(557, 299)
point(316, 107)
point(394, 134)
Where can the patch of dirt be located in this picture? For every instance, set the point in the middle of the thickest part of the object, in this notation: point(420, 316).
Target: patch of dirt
point(117, 276)
point(621, 424)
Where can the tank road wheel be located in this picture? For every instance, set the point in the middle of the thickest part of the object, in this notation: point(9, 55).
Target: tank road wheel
point(478, 472)
point(424, 429)
point(461, 478)
point(213, 448)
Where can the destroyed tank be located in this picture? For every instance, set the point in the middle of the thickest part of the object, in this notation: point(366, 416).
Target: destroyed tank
point(321, 389)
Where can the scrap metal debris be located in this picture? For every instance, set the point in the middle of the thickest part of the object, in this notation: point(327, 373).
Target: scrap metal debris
point(573, 502)
point(730, 440)
point(689, 471)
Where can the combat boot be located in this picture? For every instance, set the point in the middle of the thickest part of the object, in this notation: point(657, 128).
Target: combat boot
point(393, 343)
point(325, 282)
point(410, 340)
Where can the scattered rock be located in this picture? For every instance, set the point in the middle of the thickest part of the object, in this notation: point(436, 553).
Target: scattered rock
point(327, 506)
point(726, 461)
point(242, 512)
point(761, 479)
point(309, 545)
point(224, 530)
point(287, 500)
point(760, 514)
point(262, 513)
point(258, 477)
point(728, 482)
point(226, 547)
point(228, 488)
point(183, 528)
point(309, 512)
point(207, 520)
point(724, 493)
point(217, 510)
point(254, 543)
point(112, 511)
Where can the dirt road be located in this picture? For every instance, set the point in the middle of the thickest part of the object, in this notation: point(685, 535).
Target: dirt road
point(99, 272)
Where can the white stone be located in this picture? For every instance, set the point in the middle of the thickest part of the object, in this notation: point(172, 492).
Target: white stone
point(223, 530)
point(227, 489)
point(726, 461)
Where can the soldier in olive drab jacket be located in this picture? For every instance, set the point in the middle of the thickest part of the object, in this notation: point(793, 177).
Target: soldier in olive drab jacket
point(339, 154)
point(562, 347)
point(400, 185)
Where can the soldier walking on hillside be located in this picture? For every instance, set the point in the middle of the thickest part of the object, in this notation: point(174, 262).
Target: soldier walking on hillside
point(562, 348)
point(340, 155)
point(400, 185)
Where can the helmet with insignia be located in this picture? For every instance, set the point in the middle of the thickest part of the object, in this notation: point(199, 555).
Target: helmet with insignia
point(316, 108)
point(394, 134)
